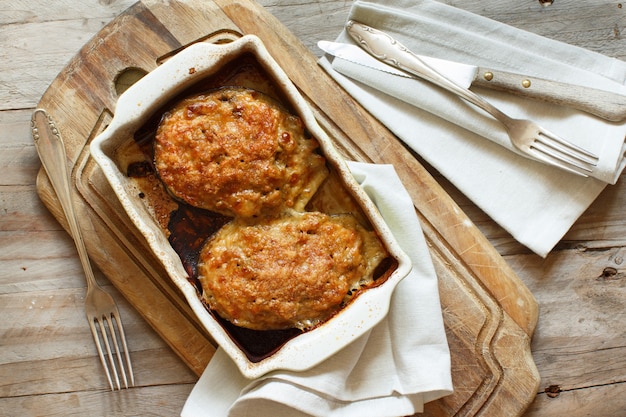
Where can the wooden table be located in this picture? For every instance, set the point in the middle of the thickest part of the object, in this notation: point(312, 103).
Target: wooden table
point(47, 362)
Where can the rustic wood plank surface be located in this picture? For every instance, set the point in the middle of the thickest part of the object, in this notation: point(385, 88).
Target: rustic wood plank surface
point(579, 343)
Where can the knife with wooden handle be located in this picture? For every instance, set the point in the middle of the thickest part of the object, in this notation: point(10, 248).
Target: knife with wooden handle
point(605, 104)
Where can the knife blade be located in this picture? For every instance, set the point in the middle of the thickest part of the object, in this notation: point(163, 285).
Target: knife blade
point(605, 104)
point(462, 74)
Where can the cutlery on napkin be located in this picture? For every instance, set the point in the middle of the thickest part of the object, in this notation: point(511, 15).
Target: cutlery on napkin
point(536, 204)
point(393, 370)
point(608, 105)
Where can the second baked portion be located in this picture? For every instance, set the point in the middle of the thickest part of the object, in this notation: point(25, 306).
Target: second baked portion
point(296, 270)
point(237, 152)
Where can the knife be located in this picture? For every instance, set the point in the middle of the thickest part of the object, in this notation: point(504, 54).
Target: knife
point(462, 74)
point(605, 104)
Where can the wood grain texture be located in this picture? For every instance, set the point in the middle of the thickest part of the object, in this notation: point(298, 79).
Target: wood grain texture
point(601, 103)
point(578, 355)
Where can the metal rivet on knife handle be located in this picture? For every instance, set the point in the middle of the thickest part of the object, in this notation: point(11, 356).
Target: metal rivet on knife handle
point(489, 77)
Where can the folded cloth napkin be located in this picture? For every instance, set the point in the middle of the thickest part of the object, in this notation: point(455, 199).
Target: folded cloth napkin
point(537, 204)
point(392, 370)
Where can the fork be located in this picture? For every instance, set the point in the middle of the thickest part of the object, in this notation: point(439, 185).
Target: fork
point(102, 312)
point(529, 138)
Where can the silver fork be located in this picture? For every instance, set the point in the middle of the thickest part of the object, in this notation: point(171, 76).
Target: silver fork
point(102, 312)
point(529, 138)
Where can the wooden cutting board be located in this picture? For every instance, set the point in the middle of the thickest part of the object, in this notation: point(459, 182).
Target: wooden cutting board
point(489, 314)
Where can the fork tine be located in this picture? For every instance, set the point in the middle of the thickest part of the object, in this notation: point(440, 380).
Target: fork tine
point(554, 150)
point(96, 339)
point(549, 156)
point(548, 159)
point(567, 148)
point(102, 336)
point(116, 345)
point(107, 345)
point(563, 155)
point(129, 365)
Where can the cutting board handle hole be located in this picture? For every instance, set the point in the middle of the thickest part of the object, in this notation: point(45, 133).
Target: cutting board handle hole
point(128, 77)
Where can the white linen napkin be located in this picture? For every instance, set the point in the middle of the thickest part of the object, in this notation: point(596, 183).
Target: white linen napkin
point(392, 370)
point(534, 202)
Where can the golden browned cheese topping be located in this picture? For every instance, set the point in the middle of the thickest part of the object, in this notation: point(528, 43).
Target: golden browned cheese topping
point(296, 270)
point(237, 152)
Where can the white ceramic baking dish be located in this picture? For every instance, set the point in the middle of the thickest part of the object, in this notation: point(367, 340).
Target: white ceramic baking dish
point(141, 102)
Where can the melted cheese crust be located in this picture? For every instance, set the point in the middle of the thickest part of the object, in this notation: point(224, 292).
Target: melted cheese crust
point(296, 270)
point(237, 152)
